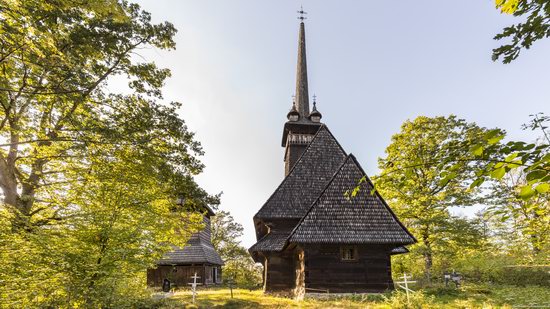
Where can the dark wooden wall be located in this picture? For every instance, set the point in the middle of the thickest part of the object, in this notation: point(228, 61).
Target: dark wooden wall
point(181, 277)
point(279, 272)
point(324, 270)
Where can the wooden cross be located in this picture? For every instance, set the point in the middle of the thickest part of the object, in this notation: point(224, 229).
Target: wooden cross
point(194, 286)
point(406, 287)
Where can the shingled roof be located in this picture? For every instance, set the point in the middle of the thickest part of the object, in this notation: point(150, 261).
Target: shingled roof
point(273, 241)
point(399, 250)
point(363, 219)
point(196, 251)
point(306, 180)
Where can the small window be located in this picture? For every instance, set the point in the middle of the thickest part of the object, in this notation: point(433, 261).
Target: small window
point(348, 253)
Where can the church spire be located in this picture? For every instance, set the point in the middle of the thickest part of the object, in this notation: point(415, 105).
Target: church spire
point(302, 97)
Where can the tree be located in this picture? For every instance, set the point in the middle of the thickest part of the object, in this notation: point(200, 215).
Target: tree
point(89, 177)
point(412, 183)
point(536, 26)
point(496, 159)
point(239, 266)
point(225, 235)
point(55, 59)
point(525, 223)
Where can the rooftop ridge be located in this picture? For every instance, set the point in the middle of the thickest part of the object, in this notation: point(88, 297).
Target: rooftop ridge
point(323, 127)
point(318, 197)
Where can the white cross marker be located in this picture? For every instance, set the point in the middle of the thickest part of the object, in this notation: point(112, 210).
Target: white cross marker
point(194, 286)
point(406, 287)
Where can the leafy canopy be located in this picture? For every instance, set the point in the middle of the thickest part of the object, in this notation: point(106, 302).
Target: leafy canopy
point(413, 183)
point(88, 177)
point(535, 26)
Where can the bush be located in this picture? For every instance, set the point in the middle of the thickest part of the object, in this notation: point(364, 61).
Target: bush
point(524, 275)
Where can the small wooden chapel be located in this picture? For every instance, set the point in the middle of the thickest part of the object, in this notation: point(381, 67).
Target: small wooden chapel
point(312, 237)
point(198, 257)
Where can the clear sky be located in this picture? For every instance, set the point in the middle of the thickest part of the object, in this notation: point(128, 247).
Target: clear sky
point(372, 65)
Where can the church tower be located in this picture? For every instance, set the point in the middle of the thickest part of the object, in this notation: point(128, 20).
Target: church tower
point(302, 124)
point(311, 237)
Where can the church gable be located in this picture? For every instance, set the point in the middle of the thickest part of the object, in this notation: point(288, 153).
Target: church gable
point(335, 218)
point(307, 178)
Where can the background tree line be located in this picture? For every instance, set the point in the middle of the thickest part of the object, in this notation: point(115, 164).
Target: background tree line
point(436, 164)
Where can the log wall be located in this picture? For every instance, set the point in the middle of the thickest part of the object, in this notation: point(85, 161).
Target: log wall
point(279, 272)
point(370, 272)
point(180, 276)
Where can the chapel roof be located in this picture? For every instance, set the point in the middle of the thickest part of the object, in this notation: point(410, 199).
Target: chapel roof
point(273, 241)
point(306, 180)
point(339, 218)
point(196, 251)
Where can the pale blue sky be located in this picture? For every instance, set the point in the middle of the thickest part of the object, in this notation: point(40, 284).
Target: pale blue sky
point(372, 64)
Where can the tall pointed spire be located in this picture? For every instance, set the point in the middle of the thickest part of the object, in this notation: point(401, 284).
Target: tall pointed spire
point(302, 96)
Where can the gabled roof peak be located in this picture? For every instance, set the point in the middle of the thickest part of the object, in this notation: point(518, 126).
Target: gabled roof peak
point(363, 219)
point(315, 167)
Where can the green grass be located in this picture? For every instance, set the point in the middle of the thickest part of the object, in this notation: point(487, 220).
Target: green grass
point(469, 296)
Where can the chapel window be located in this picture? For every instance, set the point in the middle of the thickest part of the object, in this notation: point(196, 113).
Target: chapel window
point(348, 253)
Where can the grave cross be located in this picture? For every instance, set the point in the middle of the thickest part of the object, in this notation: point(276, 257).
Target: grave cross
point(194, 286)
point(406, 287)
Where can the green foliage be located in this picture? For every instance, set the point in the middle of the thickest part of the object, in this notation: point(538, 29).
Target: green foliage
point(242, 271)
point(523, 223)
point(535, 26)
point(225, 235)
point(55, 59)
point(413, 184)
point(497, 159)
point(88, 177)
point(239, 267)
point(525, 275)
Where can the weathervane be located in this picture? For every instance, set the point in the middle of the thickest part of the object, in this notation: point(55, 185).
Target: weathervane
point(302, 13)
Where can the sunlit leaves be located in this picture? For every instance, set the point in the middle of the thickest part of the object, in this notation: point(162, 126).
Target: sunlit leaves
point(542, 188)
point(534, 27)
point(88, 176)
point(507, 6)
point(526, 192)
point(499, 159)
point(425, 172)
point(498, 173)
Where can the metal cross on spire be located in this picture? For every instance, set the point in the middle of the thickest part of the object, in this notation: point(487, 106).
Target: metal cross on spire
point(314, 102)
point(302, 13)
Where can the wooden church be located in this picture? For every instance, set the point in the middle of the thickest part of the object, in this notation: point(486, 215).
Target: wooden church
point(198, 256)
point(312, 237)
